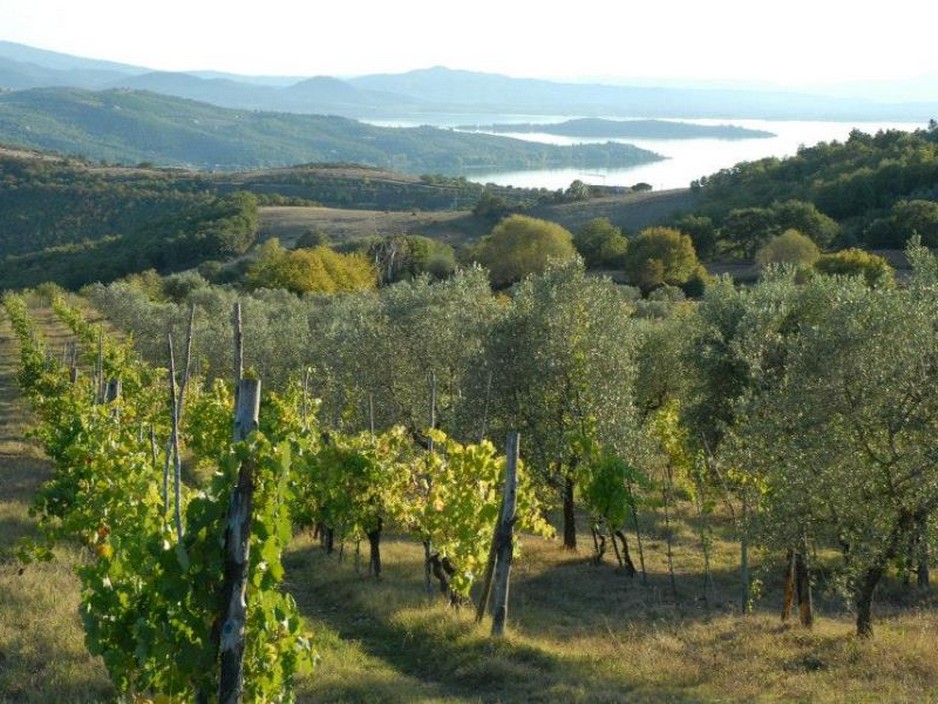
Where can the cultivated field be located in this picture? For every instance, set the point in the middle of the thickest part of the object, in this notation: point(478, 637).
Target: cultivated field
point(577, 632)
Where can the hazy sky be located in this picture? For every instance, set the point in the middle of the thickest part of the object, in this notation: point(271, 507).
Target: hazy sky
point(792, 43)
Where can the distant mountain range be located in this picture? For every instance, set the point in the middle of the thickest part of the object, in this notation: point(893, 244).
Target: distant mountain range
point(431, 91)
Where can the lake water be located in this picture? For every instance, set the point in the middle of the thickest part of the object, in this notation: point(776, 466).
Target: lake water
point(687, 159)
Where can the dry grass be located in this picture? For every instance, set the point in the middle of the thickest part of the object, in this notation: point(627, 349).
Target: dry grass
point(288, 223)
point(586, 633)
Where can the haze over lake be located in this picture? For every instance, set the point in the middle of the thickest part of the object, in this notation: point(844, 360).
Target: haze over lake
point(687, 159)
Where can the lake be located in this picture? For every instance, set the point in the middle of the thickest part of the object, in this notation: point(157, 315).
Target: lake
point(687, 159)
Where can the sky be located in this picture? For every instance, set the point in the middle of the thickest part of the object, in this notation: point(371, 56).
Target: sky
point(792, 44)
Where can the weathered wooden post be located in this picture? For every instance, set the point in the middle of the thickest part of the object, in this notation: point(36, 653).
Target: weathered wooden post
point(238, 346)
point(506, 529)
point(237, 553)
point(498, 567)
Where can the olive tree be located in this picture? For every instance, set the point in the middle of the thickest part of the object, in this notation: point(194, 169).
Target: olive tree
point(564, 369)
point(845, 442)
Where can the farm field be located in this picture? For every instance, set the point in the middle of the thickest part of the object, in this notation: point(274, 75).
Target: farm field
point(577, 632)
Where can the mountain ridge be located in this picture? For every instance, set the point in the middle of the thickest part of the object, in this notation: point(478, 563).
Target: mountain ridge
point(439, 89)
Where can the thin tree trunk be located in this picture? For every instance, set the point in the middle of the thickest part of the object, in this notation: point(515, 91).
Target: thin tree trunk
point(803, 587)
point(569, 514)
point(667, 530)
point(599, 544)
point(374, 544)
point(427, 567)
point(745, 590)
point(789, 599)
point(921, 566)
point(638, 533)
point(626, 560)
point(174, 441)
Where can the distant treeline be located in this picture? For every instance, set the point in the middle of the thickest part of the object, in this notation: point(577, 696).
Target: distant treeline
point(637, 129)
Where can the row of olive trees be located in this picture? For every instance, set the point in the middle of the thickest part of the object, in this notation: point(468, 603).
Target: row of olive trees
point(816, 404)
point(808, 408)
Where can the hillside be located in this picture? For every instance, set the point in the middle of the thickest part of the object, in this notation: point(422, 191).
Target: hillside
point(128, 127)
point(74, 222)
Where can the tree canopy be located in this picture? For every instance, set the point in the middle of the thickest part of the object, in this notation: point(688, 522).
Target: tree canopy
point(601, 244)
point(661, 255)
point(520, 245)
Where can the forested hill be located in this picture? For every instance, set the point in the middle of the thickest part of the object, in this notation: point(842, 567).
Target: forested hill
point(130, 127)
point(872, 190)
point(73, 221)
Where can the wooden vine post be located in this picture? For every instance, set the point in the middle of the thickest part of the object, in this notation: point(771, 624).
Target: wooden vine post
point(237, 547)
point(498, 569)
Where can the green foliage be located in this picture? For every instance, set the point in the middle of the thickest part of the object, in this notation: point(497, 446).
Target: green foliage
point(874, 269)
point(601, 244)
point(399, 257)
point(151, 594)
point(455, 504)
point(661, 255)
point(319, 270)
point(214, 227)
point(606, 488)
point(521, 245)
point(851, 183)
point(842, 441)
point(790, 247)
point(702, 231)
point(491, 206)
point(355, 484)
point(906, 219)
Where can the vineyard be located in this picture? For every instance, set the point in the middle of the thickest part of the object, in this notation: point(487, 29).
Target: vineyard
point(278, 498)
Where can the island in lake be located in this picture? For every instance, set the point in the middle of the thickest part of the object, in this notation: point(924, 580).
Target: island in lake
point(641, 129)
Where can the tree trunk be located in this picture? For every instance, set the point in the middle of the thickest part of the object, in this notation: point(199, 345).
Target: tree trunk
point(789, 599)
point(745, 585)
point(443, 570)
point(599, 544)
point(803, 587)
point(506, 528)
point(864, 601)
point(638, 532)
point(374, 543)
point(427, 568)
point(569, 515)
point(626, 560)
point(921, 566)
point(327, 537)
